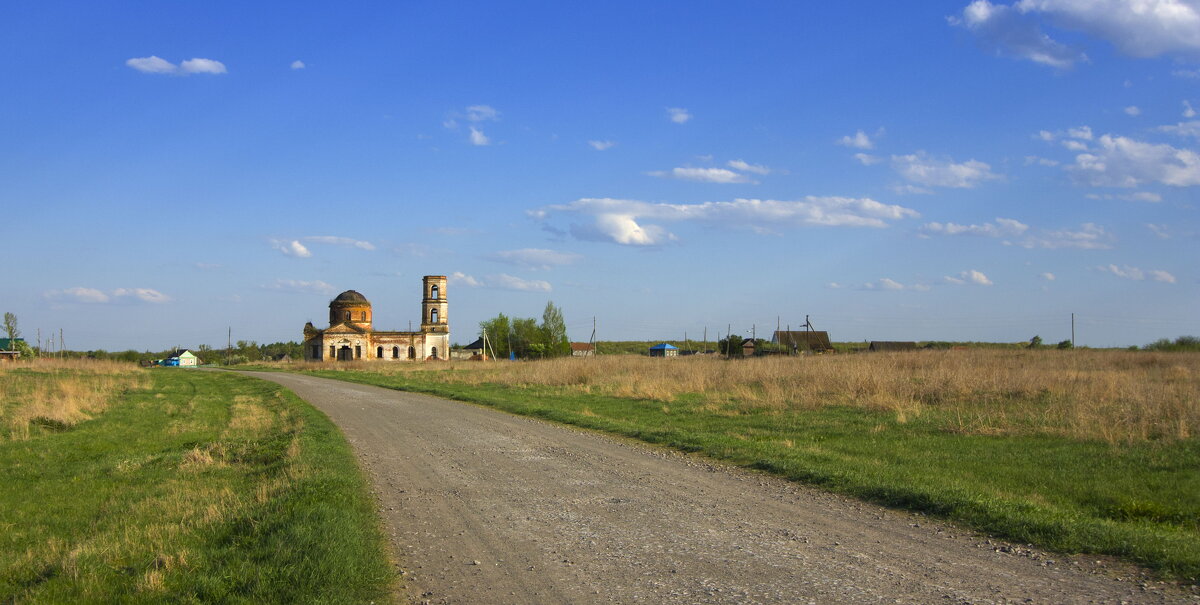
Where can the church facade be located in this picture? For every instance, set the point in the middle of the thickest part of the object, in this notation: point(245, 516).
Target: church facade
point(351, 337)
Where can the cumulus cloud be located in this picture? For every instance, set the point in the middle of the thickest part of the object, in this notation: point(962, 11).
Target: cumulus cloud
point(867, 159)
point(923, 169)
point(298, 64)
point(536, 258)
point(633, 222)
point(858, 140)
point(1048, 276)
point(1188, 111)
point(301, 287)
point(478, 138)
point(1183, 129)
point(157, 65)
point(1008, 31)
point(339, 241)
point(1003, 227)
point(1133, 110)
point(703, 175)
point(678, 115)
point(1089, 236)
point(1080, 132)
point(601, 145)
point(293, 248)
point(744, 166)
point(1040, 161)
point(1117, 161)
point(887, 283)
point(501, 281)
point(81, 294)
point(1140, 196)
point(1136, 274)
point(481, 113)
point(969, 277)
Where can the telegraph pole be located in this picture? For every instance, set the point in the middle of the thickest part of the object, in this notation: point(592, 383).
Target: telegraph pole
point(1072, 329)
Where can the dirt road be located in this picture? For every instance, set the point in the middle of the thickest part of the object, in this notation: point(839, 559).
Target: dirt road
point(484, 507)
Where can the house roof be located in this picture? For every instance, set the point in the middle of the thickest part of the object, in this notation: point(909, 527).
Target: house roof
point(180, 353)
point(344, 328)
point(581, 346)
point(663, 347)
point(475, 346)
point(7, 343)
point(892, 345)
point(803, 339)
point(351, 296)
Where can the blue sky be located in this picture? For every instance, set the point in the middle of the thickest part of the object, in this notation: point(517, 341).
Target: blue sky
point(897, 171)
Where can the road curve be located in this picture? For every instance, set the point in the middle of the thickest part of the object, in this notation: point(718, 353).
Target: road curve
point(485, 507)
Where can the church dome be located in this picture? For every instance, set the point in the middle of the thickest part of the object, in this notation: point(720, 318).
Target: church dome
point(351, 296)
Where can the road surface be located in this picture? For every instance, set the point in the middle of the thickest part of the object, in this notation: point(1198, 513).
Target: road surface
point(483, 507)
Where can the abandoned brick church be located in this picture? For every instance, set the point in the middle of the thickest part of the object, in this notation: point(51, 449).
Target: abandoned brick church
point(350, 336)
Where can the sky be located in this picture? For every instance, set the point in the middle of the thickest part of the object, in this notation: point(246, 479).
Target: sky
point(172, 173)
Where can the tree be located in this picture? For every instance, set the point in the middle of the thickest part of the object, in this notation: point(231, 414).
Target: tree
point(527, 339)
point(1066, 344)
point(554, 330)
point(731, 346)
point(497, 330)
point(1035, 342)
point(10, 326)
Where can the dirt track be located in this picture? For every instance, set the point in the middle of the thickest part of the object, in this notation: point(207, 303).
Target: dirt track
point(484, 507)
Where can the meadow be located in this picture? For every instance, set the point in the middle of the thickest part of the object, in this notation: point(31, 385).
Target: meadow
point(128, 485)
point(1078, 451)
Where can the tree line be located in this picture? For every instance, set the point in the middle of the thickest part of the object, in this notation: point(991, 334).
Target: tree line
point(525, 338)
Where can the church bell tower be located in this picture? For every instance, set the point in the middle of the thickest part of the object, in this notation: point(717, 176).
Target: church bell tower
point(433, 305)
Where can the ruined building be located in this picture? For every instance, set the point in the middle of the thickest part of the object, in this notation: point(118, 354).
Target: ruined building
point(350, 336)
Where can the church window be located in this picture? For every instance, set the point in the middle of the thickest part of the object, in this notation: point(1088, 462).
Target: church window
point(433, 316)
point(412, 353)
point(395, 352)
point(347, 316)
point(357, 352)
point(316, 351)
point(379, 352)
point(434, 350)
point(364, 316)
point(332, 352)
point(433, 292)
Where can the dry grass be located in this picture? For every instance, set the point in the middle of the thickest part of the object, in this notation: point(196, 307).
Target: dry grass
point(58, 394)
point(1114, 396)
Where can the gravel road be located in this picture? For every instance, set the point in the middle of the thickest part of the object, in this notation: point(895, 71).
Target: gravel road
point(483, 507)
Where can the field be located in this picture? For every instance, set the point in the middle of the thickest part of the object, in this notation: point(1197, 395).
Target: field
point(1077, 451)
point(123, 484)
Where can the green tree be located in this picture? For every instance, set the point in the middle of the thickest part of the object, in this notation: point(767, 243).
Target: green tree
point(1066, 344)
point(10, 326)
point(1035, 342)
point(731, 346)
point(497, 329)
point(554, 330)
point(527, 338)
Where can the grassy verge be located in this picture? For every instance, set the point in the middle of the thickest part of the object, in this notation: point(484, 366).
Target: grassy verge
point(1051, 476)
point(184, 486)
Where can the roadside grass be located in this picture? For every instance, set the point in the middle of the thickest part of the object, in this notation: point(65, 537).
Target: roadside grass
point(1075, 451)
point(181, 486)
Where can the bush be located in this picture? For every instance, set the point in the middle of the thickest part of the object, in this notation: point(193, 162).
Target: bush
point(1183, 343)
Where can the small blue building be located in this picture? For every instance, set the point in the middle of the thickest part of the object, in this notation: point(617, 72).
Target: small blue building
point(664, 350)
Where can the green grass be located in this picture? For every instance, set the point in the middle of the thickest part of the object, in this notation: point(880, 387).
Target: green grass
point(206, 487)
point(1135, 501)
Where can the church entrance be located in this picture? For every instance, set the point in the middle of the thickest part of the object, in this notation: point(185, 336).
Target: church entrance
point(345, 354)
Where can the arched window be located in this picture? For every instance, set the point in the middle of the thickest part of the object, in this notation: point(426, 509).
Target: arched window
point(433, 292)
point(395, 352)
point(357, 352)
point(364, 316)
point(347, 316)
point(332, 352)
point(434, 351)
point(412, 353)
point(379, 352)
point(433, 316)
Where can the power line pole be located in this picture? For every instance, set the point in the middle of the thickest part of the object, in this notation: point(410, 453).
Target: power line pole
point(1072, 329)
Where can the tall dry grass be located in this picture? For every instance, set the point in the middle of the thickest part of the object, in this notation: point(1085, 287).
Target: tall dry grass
point(1115, 396)
point(60, 393)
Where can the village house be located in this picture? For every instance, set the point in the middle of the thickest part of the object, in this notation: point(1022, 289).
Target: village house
point(351, 337)
point(582, 349)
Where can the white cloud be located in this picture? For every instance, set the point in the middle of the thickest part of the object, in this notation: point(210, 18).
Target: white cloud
point(678, 115)
point(292, 248)
point(1080, 132)
point(1136, 274)
point(1090, 236)
point(1048, 276)
point(478, 138)
point(302, 287)
point(1040, 161)
point(867, 159)
point(157, 65)
point(887, 283)
point(601, 145)
point(858, 140)
point(1045, 135)
point(152, 65)
point(480, 113)
point(298, 64)
point(1133, 110)
point(923, 169)
point(1188, 74)
point(1183, 129)
point(1123, 162)
point(1160, 231)
point(339, 241)
point(202, 66)
point(1003, 227)
point(747, 167)
point(1140, 196)
point(81, 294)
point(501, 281)
point(628, 221)
point(1005, 30)
point(536, 258)
point(1188, 112)
point(1075, 145)
point(969, 277)
point(1140, 28)
point(703, 175)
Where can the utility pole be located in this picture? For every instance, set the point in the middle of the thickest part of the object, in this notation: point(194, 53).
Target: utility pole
point(706, 340)
point(728, 345)
point(61, 342)
point(1072, 329)
point(595, 349)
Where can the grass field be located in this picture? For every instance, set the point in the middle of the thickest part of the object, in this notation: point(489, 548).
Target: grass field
point(129, 485)
point(1076, 451)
